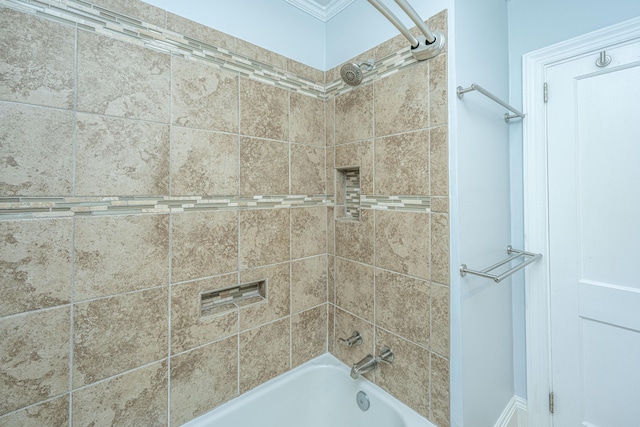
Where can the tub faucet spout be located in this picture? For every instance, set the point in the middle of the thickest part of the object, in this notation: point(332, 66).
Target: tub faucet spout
point(368, 364)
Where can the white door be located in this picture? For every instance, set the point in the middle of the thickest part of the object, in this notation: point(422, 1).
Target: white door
point(593, 119)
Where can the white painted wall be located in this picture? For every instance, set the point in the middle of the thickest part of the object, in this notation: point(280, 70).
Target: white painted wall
point(483, 349)
point(533, 25)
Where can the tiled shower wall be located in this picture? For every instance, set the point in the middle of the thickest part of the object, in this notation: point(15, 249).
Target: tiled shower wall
point(135, 178)
point(390, 269)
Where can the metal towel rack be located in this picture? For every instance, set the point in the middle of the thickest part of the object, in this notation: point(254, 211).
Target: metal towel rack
point(491, 96)
point(513, 254)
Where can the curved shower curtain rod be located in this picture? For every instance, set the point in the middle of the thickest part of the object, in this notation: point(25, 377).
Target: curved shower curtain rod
point(423, 47)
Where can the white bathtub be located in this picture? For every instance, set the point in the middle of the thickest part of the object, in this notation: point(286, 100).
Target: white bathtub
point(319, 393)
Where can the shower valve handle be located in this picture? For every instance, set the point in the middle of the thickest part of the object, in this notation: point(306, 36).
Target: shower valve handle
point(354, 339)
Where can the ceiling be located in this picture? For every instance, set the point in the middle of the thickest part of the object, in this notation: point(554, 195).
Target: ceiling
point(323, 10)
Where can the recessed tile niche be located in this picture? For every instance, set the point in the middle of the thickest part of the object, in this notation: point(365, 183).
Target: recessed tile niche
point(348, 194)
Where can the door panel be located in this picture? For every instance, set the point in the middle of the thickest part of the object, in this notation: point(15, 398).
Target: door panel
point(593, 118)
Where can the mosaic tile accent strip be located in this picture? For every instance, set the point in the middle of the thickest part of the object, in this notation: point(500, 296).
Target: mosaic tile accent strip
point(12, 208)
point(48, 207)
point(396, 203)
point(103, 21)
point(352, 197)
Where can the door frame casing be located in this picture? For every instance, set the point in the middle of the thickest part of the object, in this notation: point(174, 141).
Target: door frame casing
point(536, 206)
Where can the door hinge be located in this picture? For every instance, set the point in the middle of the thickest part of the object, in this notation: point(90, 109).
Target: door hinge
point(551, 403)
point(545, 91)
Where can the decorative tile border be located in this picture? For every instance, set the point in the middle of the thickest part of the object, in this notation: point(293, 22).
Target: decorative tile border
point(397, 203)
point(12, 208)
point(103, 21)
point(47, 207)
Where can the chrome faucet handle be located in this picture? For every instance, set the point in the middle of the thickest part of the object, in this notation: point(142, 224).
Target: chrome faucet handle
point(386, 355)
point(354, 339)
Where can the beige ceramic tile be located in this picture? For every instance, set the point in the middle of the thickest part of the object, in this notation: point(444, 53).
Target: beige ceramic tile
point(440, 248)
point(306, 72)
point(307, 169)
point(345, 325)
point(355, 288)
point(402, 242)
point(203, 163)
point(402, 306)
point(440, 319)
point(135, 398)
point(402, 101)
point(36, 150)
point(357, 154)
point(264, 110)
point(440, 204)
point(330, 121)
point(135, 9)
point(402, 164)
point(200, 32)
point(308, 283)
point(439, 390)
point(118, 157)
point(35, 265)
point(308, 231)
point(331, 323)
point(331, 230)
point(438, 22)
point(34, 357)
point(307, 120)
point(203, 96)
point(120, 79)
point(203, 379)
point(438, 107)
point(189, 328)
point(330, 171)
point(51, 413)
point(203, 244)
point(408, 378)
point(264, 353)
point(354, 115)
point(355, 239)
point(116, 254)
point(264, 237)
point(106, 344)
point(439, 162)
point(37, 60)
point(278, 302)
point(309, 334)
point(331, 279)
point(258, 53)
point(264, 167)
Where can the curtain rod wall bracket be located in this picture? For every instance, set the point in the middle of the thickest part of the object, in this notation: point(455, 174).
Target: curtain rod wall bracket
point(427, 51)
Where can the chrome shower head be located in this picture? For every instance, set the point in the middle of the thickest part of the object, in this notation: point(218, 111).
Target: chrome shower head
point(352, 74)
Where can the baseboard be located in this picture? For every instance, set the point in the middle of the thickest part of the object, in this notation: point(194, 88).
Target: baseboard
point(515, 414)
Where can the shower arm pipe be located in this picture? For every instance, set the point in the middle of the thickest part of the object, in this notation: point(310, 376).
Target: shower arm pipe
point(492, 97)
point(411, 12)
point(395, 21)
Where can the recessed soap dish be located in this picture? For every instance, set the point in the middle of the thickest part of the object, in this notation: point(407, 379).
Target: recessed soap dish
point(220, 300)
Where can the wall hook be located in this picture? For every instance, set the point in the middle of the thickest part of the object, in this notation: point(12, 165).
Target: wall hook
point(603, 60)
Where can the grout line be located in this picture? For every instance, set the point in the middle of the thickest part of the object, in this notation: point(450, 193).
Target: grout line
point(169, 293)
point(72, 317)
point(73, 224)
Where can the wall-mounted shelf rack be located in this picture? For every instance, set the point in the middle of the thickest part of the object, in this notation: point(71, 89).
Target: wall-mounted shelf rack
point(513, 254)
point(507, 116)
